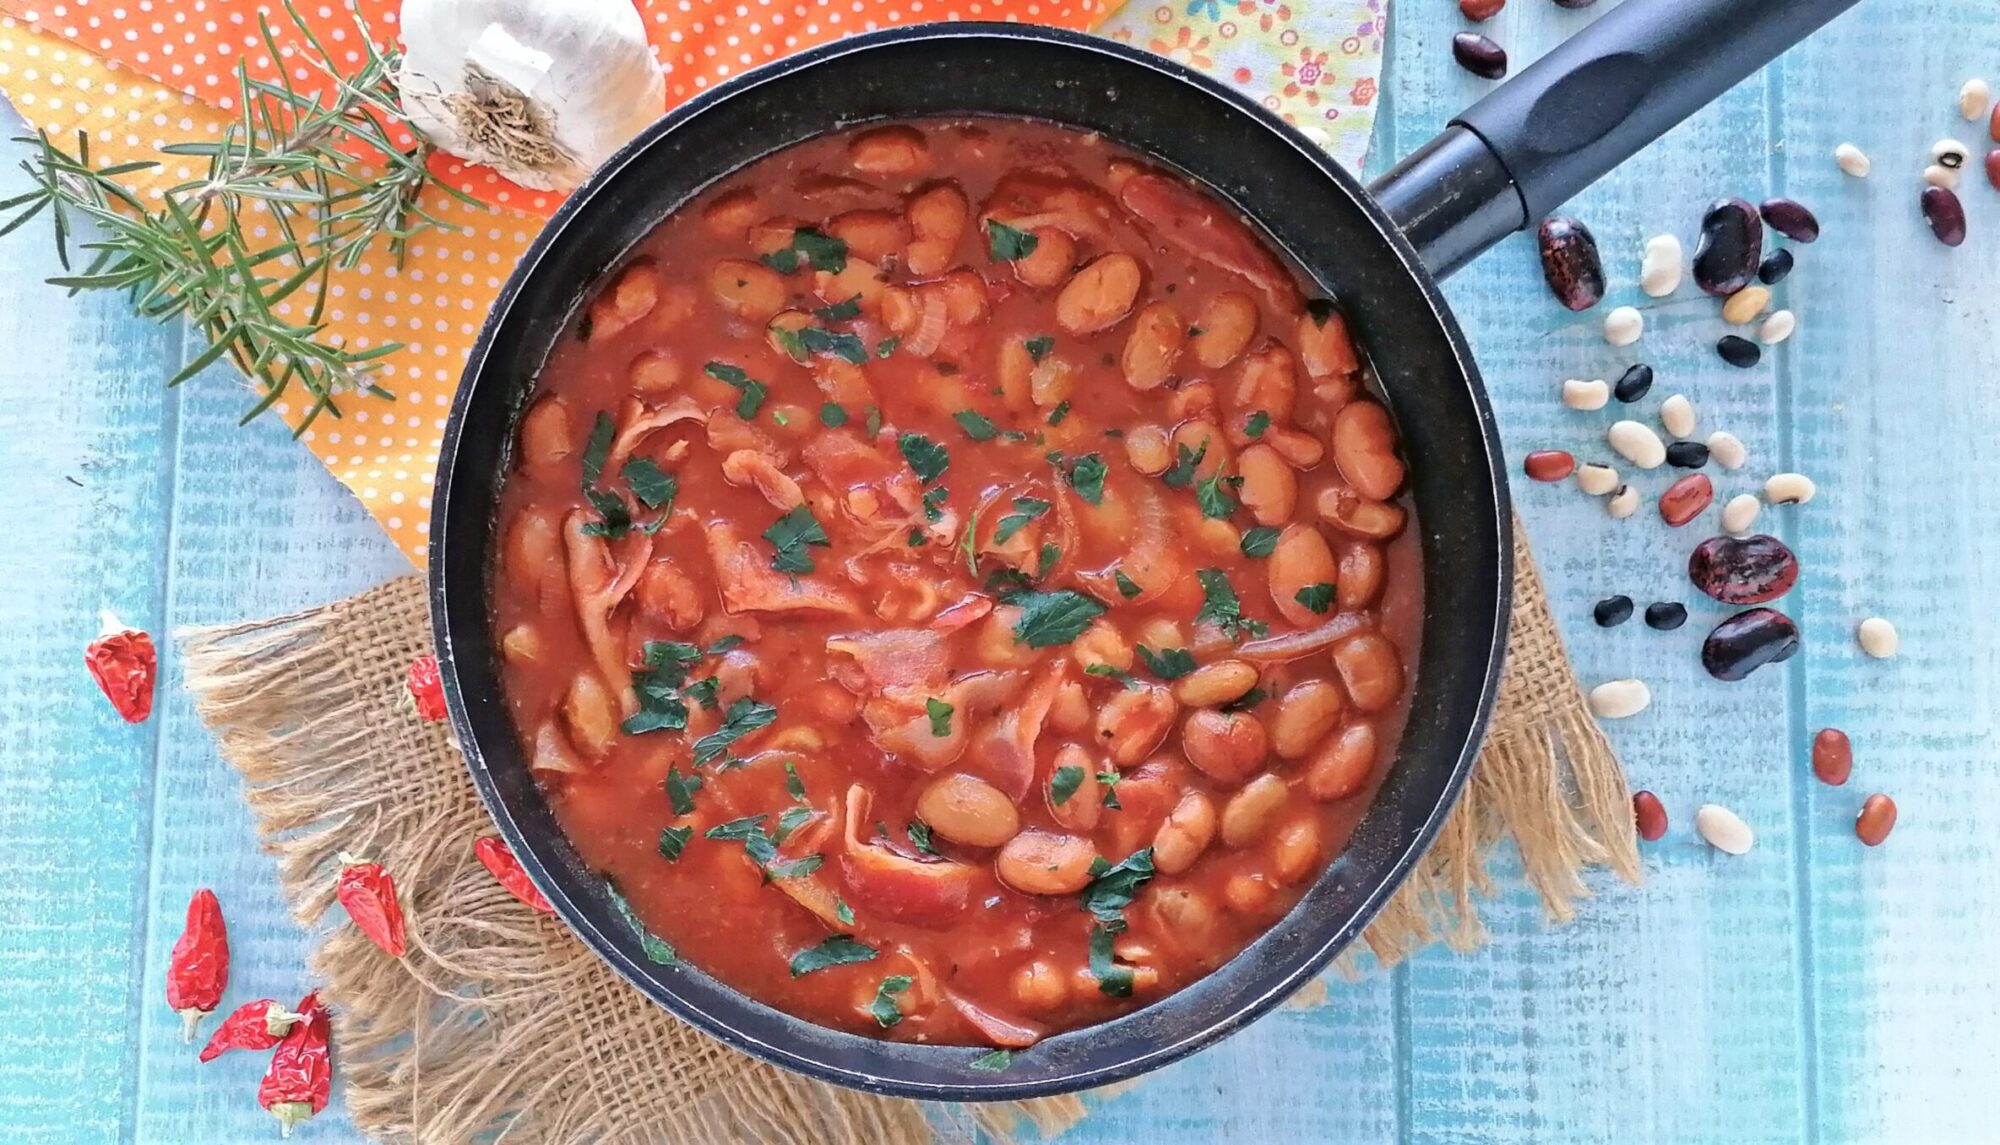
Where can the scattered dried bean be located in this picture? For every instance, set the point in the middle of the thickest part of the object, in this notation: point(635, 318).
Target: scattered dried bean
point(1677, 414)
point(1649, 815)
point(1832, 757)
point(1790, 218)
point(1727, 450)
point(1747, 641)
point(1612, 611)
point(1993, 125)
point(1951, 154)
point(1687, 454)
point(1660, 270)
point(1739, 352)
point(1938, 175)
point(1624, 326)
point(1685, 499)
point(1596, 479)
point(1579, 394)
point(1666, 615)
point(1878, 638)
point(1479, 55)
point(1633, 383)
point(1789, 489)
point(1623, 503)
point(1775, 268)
point(1570, 263)
point(1876, 819)
point(1945, 214)
point(1731, 246)
point(1740, 513)
point(1637, 444)
point(1745, 305)
point(1480, 11)
point(1620, 699)
point(1724, 829)
point(1993, 167)
point(1777, 327)
point(1549, 465)
point(1852, 160)
point(1972, 99)
point(1743, 570)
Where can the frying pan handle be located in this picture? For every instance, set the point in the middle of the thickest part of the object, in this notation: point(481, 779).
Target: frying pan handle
point(1578, 112)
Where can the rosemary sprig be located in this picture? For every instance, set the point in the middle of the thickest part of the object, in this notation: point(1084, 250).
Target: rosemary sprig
point(192, 257)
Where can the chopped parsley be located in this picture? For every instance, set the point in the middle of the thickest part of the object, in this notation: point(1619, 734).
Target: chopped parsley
point(1052, 618)
point(1064, 784)
point(796, 530)
point(743, 717)
point(597, 448)
point(940, 716)
point(1127, 587)
point(1181, 474)
point(836, 951)
point(1086, 476)
point(1061, 411)
point(992, 1061)
point(724, 644)
point(842, 911)
point(1221, 607)
point(793, 819)
point(1112, 977)
point(1321, 310)
point(1026, 510)
point(928, 460)
point(1258, 423)
point(681, 789)
point(794, 786)
point(763, 848)
point(832, 416)
point(651, 945)
point(1110, 673)
point(672, 839)
point(806, 341)
point(887, 346)
point(1214, 499)
point(753, 390)
point(883, 1009)
point(813, 248)
point(1317, 597)
point(614, 518)
point(934, 497)
point(1038, 347)
point(1050, 554)
point(1109, 779)
point(920, 838)
point(976, 425)
point(659, 686)
point(652, 485)
point(840, 311)
point(1006, 244)
point(703, 691)
point(969, 545)
point(1247, 700)
point(1167, 663)
point(1112, 888)
point(1259, 542)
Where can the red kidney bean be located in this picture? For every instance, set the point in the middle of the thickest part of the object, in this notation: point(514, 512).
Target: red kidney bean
point(1685, 499)
point(1743, 570)
point(1732, 244)
point(1747, 641)
point(1790, 218)
point(1480, 11)
point(1739, 352)
point(1776, 268)
point(1993, 124)
point(1945, 214)
point(1570, 263)
point(1993, 167)
point(1649, 815)
point(1549, 464)
point(1479, 55)
point(1876, 820)
point(1832, 757)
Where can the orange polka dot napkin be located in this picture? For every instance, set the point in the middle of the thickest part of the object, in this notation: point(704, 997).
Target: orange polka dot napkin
point(135, 75)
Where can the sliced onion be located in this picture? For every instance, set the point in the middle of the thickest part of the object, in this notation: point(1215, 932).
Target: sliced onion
point(1293, 645)
point(1009, 1033)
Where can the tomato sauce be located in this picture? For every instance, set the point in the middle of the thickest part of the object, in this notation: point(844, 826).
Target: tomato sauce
point(954, 582)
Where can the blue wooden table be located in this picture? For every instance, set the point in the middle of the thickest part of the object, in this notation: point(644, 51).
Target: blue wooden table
point(1812, 990)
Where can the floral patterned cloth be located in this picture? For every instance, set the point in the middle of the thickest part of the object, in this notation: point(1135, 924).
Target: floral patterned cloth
point(1314, 62)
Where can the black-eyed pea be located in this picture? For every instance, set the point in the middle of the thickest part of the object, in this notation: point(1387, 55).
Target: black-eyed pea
point(1102, 643)
point(1051, 260)
point(1371, 669)
point(1148, 449)
point(1306, 713)
point(1227, 746)
point(1362, 568)
point(1202, 439)
point(1342, 764)
point(1270, 488)
point(1300, 560)
point(995, 644)
point(654, 372)
point(1250, 812)
point(1268, 381)
point(590, 714)
point(1134, 721)
point(1071, 711)
point(889, 151)
point(1188, 830)
point(1040, 987)
point(1152, 346)
point(1249, 892)
point(547, 435)
point(1213, 685)
point(1075, 797)
point(1295, 849)
point(1101, 294)
point(1041, 862)
point(1223, 329)
point(749, 289)
point(966, 809)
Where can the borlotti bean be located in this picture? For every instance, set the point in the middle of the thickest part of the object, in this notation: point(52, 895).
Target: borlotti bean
point(1852, 160)
point(1579, 394)
point(1637, 444)
point(1973, 98)
point(1677, 414)
point(1740, 513)
point(1624, 326)
point(1620, 699)
point(1623, 503)
point(1725, 450)
point(1878, 637)
point(1745, 305)
point(1724, 830)
point(1938, 175)
point(1789, 489)
point(1596, 479)
point(1951, 153)
point(1660, 270)
point(1777, 327)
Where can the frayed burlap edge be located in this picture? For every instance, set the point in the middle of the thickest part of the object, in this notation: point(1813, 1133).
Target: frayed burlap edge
point(501, 1026)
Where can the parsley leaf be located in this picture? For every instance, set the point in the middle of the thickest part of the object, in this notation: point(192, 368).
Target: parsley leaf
point(1026, 510)
point(652, 485)
point(1221, 607)
point(1110, 781)
point(1214, 500)
point(1113, 887)
point(1258, 423)
point(1061, 411)
point(934, 497)
point(813, 247)
point(724, 644)
point(927, 458)
point(940, 716)
point(846, 347)
point(1052, 618)
point(1064, 783)
point(672, 839)
point(1127, 587)
point(976, 425)
point(743, 717)
point(883, 1008)
point(792, 868)
point(1005, 244)
point(1167, 663)
point(753, 390)
point(1317, 597)
point(793, 819)
point(887, 346)
point(1049, 556)
point(1181, 475)
point(660, 708)
point(1038, 347)
point(794, 531)
point(1086, 476)
point(1259, 542)
point(969, 544)
point(1321, 310)
point(1112, 978)
point(838, 950)
point(832, 416)
point(651, 945)
point(840, 311)
point(1247, 700)
point(1110, 673)
point(842, 911)
point(681, 789)
point(794, 786)
point(598, 448)
point(920, 838)
point(993, 1061)
point(616, 518)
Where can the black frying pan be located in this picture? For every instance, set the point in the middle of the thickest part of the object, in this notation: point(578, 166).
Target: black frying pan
point(1516, 155)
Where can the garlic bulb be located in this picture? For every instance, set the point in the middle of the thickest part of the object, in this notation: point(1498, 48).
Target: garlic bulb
point(541, 90)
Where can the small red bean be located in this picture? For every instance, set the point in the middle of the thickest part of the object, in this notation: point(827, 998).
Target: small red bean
point(1649, 815)
point(1832, 756)
point(1993, 167)
point(1549, 464)
point(1685, 499)
point(1480, 11)
point(1877, 819)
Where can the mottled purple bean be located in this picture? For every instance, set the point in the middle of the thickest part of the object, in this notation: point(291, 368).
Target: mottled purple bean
point(1790, 218)
point(1743, 570)
point(1747, 641)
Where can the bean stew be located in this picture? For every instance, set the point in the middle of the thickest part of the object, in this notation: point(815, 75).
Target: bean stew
point(954, 582)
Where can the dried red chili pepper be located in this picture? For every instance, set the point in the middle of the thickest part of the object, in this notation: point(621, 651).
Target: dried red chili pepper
point(198, 968)
point(495, 857)
point(300, 1075)
point(369, 895)
point(255, 1025)
point(426, 688)
point(124, 663)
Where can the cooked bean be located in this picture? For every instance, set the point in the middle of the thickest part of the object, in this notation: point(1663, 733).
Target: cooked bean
point(1343, 763)
point(1161, 632)
point(1134, 721)
point(1364, 450)
point(1270, 488)
point(870, 235)
point(966, 809)
point(889, 151)
point(1295, 849)
point(995, 644)
point(1052, 380)
point(1078, 810)
point(1202, 439)
point(547, 437)
point(1152, 346)
point(1194, 401)
point(1249, 893)
point(1039, 986)
point(1362, 570)
point(630, 297)
point(654, 372)
point(669, 595)
point(1268, 381)
point(732, 214)
point(1041, 862)
point(1299, 560)
point(1226, 746)
point(1148, 449)
point(1071, 711)
point(1099, 295)
point(1301, 450)
point(1324, 345)
point(590, 713)
point(1306, 713)
point(1102, 643)
point(522, 645)
point(1371, 669)
point(1250, 811)
point(1214, 684)
point(1359, 517)
point(534, 550)
point(750, 289)
point(937, 223)
point(1051, 260)
point(1185, 914)
point(1223, 329)
point(1185, 835)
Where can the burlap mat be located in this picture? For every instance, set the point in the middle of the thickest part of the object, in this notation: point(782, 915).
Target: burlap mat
point(501, 1026)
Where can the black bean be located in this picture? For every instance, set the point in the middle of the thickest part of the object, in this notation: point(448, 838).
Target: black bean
point(1739, 352)
point(1479, 55)
point(1747, 641)
point(1776, 268)
point(1945, 214)
point(1574, 3)
point(1687, 454)
point(1569, 262)
point(1612, 611)
point(1790, 218)
point(1633, 383)
point(1732, 244)
point(1666, 615)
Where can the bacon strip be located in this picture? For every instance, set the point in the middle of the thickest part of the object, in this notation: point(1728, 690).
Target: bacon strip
point(598, 583)
point(750, 584)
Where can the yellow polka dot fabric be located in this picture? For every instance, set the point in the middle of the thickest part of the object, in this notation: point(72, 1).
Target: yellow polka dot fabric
point(136, 75)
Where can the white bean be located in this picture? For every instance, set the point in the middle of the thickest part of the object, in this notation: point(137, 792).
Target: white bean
point(1973, 98)
point(1789, 489)
point(1623, 503)
point(1950, 153)
point(1852, 160)
point(1637, 444)
point(1939, 175)
point(1677, 414)
point(1740, 513)
point(1660, 271)
point(1623, 326)
point(1726, 450)
point(1579, 394)
point(1618, 699)
point(1878, 638)
point(1724, 830)
point(1596, 479)
point(1777, 327)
